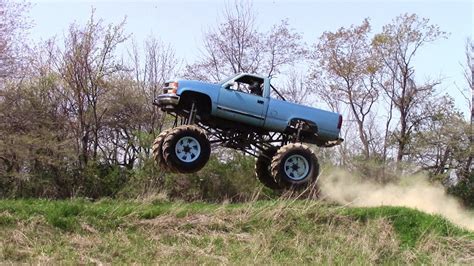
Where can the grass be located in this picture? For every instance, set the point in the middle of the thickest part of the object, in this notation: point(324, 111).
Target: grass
point(410, 225)
point(277, 232)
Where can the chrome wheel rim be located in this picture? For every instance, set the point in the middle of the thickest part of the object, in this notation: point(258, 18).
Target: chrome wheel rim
point(296, 167)
point(187, 149)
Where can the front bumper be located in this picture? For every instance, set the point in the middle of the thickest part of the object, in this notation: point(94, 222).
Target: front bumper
point(167, 100)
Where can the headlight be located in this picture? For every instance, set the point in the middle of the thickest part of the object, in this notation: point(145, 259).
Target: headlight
point(171, 87)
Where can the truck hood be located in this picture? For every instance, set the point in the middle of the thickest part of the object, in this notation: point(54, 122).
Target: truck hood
point(184, 84)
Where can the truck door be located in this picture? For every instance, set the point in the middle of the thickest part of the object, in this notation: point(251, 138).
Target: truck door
point(243, 101)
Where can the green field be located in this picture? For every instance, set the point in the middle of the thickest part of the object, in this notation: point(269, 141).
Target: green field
point(278, 231)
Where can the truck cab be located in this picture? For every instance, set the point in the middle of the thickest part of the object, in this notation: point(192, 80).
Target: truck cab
point(244, 98)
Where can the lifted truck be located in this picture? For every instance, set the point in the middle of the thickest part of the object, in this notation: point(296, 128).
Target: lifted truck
point(244, 112)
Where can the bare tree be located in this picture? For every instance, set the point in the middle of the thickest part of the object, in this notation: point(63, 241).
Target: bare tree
point(440, 138)
point(397, 45)
point(86, 64)
point(159, 64)
point(468, 72)
point(237, 45)
point(12, 25)
point(469, 76)
point(125, 124)
point(349, 67)
point(296, 88)
point(283, 47)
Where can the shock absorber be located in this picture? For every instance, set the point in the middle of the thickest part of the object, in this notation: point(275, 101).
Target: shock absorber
point(192, 114)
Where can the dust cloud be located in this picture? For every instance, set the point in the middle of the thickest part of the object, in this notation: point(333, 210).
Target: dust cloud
point(411, 191)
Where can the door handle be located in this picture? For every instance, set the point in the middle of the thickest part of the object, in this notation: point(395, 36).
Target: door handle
point(260, 101)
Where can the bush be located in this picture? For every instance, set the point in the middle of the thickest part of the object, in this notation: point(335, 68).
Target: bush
point(143, 180)
point(219, 180)
point(231, 178)
point(102, 180)
point(464, 190)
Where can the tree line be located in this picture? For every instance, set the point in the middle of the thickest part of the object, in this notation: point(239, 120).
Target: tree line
point(76, 115)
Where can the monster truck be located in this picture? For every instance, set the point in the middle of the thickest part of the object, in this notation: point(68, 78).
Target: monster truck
point(244, 112)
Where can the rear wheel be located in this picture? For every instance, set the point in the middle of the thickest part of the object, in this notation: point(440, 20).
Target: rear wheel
point(186, 149)
point(263, 168)
point(295, 166)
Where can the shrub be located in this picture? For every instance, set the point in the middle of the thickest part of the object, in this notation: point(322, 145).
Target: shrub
point(102, 180)
point(219, 180)
point(464, 190)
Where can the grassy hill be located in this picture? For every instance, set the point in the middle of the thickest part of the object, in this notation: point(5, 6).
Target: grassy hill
point(279, 231)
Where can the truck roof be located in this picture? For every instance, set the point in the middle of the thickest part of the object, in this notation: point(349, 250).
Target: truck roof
point(240, 74)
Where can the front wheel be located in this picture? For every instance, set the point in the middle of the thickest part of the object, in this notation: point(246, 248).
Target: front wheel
point(186, 149)
point(295, 166)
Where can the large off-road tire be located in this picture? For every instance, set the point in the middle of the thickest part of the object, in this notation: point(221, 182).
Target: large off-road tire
point(158, 150)
point(295, 166)
point(263, 168)
point(186, 149)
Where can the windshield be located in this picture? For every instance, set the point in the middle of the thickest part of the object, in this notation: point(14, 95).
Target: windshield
point(227, 79)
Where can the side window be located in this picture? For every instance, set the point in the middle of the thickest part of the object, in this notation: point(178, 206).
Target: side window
point(249, 84)
point(241, 86)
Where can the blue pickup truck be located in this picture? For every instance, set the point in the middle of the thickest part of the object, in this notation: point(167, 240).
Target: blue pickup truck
point(247, 113)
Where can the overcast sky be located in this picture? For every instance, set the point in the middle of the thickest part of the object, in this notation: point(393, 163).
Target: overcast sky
point(181, 23)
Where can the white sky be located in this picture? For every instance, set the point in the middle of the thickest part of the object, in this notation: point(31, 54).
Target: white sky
point(181, 23)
